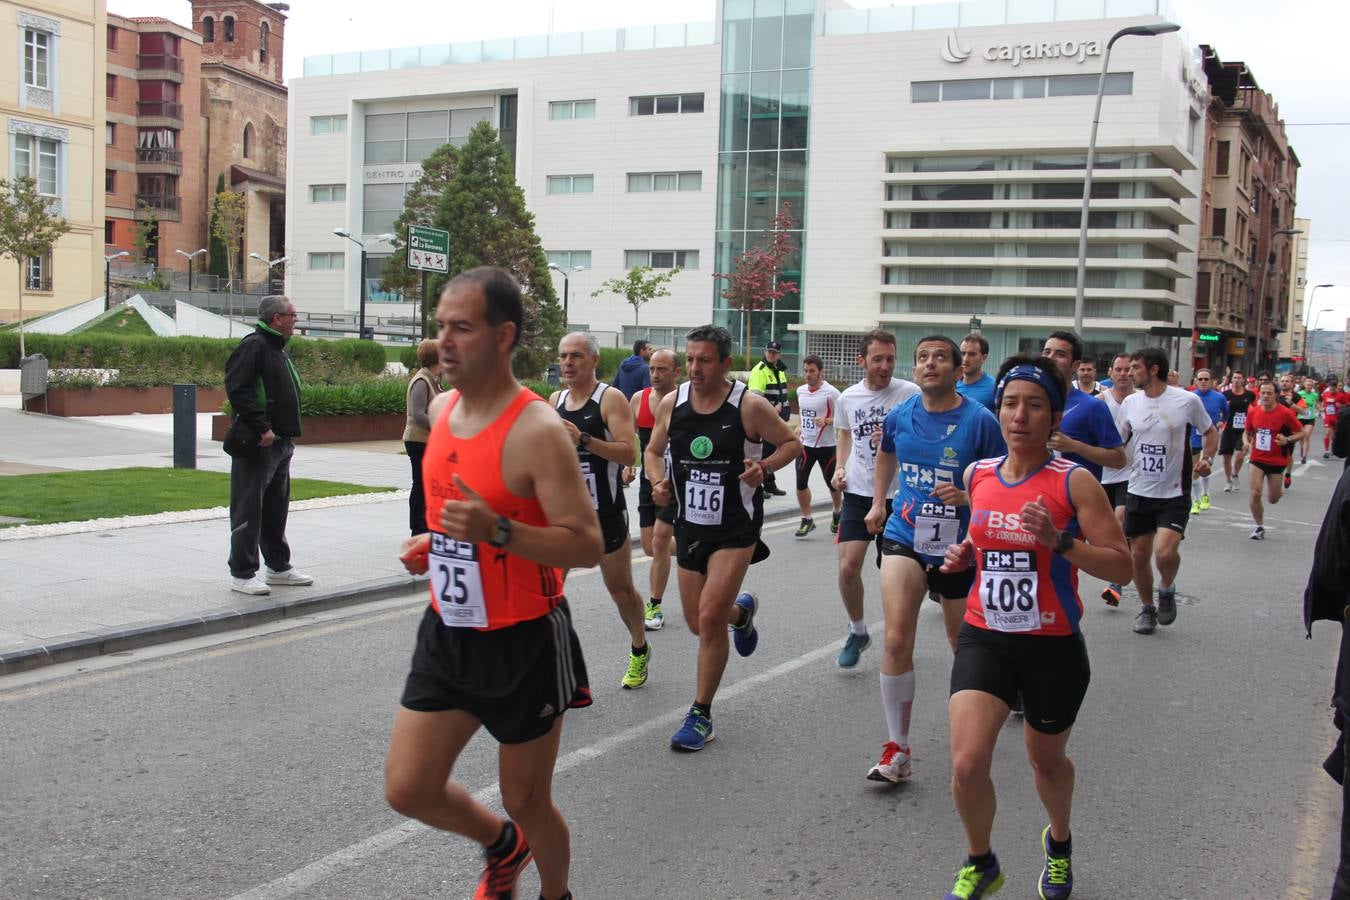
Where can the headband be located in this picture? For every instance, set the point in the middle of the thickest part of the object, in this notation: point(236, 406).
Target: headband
point(1025, 372)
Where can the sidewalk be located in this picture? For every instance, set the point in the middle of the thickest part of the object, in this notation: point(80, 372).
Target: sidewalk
point(135, 582)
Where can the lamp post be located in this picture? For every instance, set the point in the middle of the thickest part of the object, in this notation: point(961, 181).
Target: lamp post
point(553, 267)
point(1136, 30)
point(190, 257)
point(107, 277)
point(1261, 300)
point(279, 261)
point(1312, 299)
point(361, 308)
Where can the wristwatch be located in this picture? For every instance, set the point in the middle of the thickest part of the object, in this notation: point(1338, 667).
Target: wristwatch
point(583, 440)
point(1063, 543)
point(501, 534)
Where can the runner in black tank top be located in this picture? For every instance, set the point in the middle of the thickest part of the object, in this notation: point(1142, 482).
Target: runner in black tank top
point(599, 421)
point(709, 463)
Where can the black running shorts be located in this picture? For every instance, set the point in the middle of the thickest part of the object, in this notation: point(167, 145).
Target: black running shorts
point(947, 585)
point(1050, 671)
point(614, 530)
point(1145, 515)
point(694, 555)
point(852, 527)
point(1230, 441)
point(515, 680)
point(815, 456)
point(1269, 468)
point(1115, 493)
point(649, 512)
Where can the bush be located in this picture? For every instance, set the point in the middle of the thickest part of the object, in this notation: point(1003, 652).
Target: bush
point(373, 396)
point(610, 357)
point(542, 388)
point(408, 356)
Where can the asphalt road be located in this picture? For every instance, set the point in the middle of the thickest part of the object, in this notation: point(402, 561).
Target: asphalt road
point(251, 765)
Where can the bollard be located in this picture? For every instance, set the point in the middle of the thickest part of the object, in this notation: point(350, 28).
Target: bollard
point(185, 426)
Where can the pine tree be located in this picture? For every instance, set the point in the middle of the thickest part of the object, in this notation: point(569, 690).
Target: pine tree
point(219, 254)
point(483, 208)
point(419, 208)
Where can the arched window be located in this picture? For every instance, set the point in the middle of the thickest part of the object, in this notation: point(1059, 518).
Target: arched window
point(208, 30)
point(229, 28)
point(262, 42)
point(248, 141)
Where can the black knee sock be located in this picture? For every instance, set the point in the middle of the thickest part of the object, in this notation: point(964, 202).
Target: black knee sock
point(654, 601)
point(504, 840)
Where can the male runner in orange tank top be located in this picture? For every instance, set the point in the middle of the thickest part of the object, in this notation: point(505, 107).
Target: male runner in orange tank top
point(496, 648)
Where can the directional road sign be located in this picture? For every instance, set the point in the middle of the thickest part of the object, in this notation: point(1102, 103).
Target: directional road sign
point(428, 249)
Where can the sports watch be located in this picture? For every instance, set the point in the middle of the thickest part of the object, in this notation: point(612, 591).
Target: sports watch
point(501, 534)
point(1063, 543)
point(583, 440)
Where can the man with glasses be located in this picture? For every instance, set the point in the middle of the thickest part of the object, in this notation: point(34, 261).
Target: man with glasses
point(1216, 404)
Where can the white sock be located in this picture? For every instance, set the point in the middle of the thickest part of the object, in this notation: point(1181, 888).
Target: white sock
point(1204, 484)
point(1195, 490)
point(897, 698)
point(859, 627)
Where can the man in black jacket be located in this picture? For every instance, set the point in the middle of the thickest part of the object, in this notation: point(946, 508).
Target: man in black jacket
point(264, 390)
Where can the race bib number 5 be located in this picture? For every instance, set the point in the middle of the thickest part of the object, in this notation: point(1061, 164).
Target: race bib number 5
point(1008, 590)
point(457, 582)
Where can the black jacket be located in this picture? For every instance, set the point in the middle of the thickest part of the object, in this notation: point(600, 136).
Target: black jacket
point(263, 385)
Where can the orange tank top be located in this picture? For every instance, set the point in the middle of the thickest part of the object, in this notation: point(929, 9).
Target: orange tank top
point(476, 585)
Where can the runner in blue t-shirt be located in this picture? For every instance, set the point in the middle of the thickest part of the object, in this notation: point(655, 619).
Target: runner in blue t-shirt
point(930, 440)
point(1216, 404)
point(974, 382)
point(1087, 433)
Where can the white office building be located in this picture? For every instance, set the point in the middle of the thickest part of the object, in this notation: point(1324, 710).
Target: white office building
point(933, 157)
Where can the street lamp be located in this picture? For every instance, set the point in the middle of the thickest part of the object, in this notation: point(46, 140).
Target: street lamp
point(1261, 300)
point(554, 267)
point(1312, 298)
point(107, 277)
point(1133, 30)
point(189, 257)
point(361, 314)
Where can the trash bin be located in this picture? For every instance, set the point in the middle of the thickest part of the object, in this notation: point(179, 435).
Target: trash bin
point(33, 379)
point(368, 333)
point(554, 374)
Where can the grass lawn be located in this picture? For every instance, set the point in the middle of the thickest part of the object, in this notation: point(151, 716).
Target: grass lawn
point(121, 321)
point(77, 496)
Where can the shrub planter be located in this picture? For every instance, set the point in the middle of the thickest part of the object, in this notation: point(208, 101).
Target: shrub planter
point(118, 401)
point(333, 429)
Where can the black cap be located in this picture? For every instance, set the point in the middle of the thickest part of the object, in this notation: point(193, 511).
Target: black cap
point(773, 345)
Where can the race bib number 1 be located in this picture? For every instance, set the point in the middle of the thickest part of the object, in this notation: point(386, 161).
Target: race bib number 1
point(935, 528)
point(1008, 590)
point(457, 582)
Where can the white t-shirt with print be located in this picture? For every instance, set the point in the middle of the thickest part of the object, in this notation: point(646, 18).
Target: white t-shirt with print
point(862, 412)
point(812, 406)
point(1159, 445)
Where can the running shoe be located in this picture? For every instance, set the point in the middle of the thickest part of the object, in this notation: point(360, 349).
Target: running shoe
point(834, 523)
point(694, 734)
point(1228, 486)
point(1167, 606)
point(972, 882)
point(1146, 621)
point(806, 527)
point(1204, 501)
point(652, 617)
point(894, 766)
point(853, 648)
point(1288, 481)
point(1195, 508)
point(1057, 876)
point(502, 870)
point(1258, 533)
point(1112, 595)
point(636, 676)
point(1326, 455)
point(744, 636)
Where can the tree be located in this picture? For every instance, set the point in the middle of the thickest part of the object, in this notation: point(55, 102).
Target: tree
point(228, 213)
point(28, 229)
point(484, 210)
point(755, 279)
point(419, 208)
point(639, 287)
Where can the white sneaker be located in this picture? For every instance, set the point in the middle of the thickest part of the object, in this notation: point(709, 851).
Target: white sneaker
point(894, 765)
point(250, 585)
point(1258, 533)
point(290, 577)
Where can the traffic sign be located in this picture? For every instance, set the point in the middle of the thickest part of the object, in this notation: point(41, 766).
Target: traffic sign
point(428, 249)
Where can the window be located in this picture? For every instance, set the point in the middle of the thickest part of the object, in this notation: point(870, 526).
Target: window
point(38, 272)
point(109, 181)
point(109, 231)
point(266, 32)
point(642, 182)
point(248, 141)
point(661, 259)
point(109, 134)
point(327, 193)
point(571, 184)
point(572, 109)
point(37, 47)
point(1218, 226)
point(663, 104)
point(381, 205)
point(328, 125)
point(37, 158)
point(229, 29)
point(208, 30)
point(1246, 170)
point(111, 85)
point(1222, 149)
point(1203, 290)
point(1240, 237)
point(567, 260)
point(327, 260)
point(1018, 88)
point(112, 37)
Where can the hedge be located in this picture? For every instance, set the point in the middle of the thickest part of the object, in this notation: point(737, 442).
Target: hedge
point(373, 396)
point(151, 361)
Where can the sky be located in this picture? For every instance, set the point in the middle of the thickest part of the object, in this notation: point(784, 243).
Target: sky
point(1277, 40)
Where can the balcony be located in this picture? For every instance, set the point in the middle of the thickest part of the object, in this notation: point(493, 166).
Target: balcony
point(159, 161)
point(166, 207)
point(160, 112)
point(160, 66)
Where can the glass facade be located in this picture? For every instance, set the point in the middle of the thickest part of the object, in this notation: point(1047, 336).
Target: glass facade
point(762, 159)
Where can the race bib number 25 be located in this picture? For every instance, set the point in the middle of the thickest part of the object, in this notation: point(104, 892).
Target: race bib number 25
point(457, 582)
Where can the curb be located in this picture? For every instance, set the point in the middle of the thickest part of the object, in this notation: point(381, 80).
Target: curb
point(115, 640)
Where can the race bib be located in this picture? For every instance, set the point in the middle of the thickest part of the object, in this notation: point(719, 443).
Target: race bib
point(1008, 590)
point(589, 476)
point(1330, 408)
point(457, 581)
point(1263, 439)
point(704, 498)
point(1151, 461)
point(936, 527)
point(1239, 421)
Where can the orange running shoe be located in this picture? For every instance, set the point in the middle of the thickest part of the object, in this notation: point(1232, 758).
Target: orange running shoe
point(502, 870)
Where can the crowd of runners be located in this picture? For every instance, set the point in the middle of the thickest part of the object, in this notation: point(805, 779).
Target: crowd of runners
point(984, 492)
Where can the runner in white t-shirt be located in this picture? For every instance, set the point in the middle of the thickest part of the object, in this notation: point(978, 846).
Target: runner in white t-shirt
point(1158, 420)
point(862, 412)
point(1116, 480)
point(817, 403)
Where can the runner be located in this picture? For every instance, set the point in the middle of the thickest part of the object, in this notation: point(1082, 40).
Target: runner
point(1216, 404)
point(931, 439)
point(1333, 398)
point(1086, 434)
point(862, 411)
point(817, 402)
point(1271, 428)
point(1289, 396)
point(1231, 447)
point(1308, 414)
point(1158, 419)
point(656, 522)
point(712, 431)
point(975, 382)
point(600, 423)
point(508, 509)
point(1115, 481)
point(1036, 519)
point(1087, 378)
